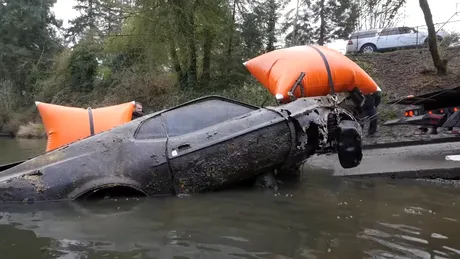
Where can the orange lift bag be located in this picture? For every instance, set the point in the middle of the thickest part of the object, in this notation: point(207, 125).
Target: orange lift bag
point(65, 125)
point(318, 70)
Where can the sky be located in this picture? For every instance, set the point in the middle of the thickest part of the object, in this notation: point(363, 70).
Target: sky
point(441, 10)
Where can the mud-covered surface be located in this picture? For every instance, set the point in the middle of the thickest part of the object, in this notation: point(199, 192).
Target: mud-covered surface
point(402, 73)
point(231, 161)
point(252, 144)
point(191, 158)
point(441, 182)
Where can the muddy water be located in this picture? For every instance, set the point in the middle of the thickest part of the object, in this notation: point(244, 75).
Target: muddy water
point(319, 217)
point(12, 150)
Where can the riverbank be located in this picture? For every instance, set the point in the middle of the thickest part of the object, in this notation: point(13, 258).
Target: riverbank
point(398, 73)
point(402, 73)
point(151, 99)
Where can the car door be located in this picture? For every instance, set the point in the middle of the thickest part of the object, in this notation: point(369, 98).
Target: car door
point(408, 37)
point(388, 39)
point(381, 40)
point(149, 145)
point(361, 38)
point(203, 153)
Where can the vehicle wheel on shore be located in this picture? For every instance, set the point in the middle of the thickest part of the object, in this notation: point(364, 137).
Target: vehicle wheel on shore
point(368, 48)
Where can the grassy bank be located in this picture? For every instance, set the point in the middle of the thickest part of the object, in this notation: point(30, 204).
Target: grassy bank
point(28, 124)
point(31, 130)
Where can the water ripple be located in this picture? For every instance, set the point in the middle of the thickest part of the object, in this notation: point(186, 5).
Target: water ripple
point(322, 217)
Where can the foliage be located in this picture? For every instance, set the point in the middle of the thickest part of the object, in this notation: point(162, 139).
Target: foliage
point(378, 13)
point(28, 43)
point(83, 67)
point(151, 50)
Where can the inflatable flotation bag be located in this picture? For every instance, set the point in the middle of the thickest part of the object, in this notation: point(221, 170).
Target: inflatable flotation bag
point(325, 71)
point(65, 125)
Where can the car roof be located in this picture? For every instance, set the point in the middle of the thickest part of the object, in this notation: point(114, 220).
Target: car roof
point(381, 29)
point(365, 31)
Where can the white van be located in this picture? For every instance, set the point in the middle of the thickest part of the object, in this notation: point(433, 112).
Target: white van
point(369, 41)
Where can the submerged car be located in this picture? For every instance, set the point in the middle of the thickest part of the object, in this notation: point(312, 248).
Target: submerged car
point(203, 145)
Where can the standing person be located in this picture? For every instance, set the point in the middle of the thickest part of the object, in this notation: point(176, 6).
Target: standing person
point(369, 111)
point(138, 111)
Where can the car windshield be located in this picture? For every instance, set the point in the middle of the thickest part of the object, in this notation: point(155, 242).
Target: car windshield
point(405, 30)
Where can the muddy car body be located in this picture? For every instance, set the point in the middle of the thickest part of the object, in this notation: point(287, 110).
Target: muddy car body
point(203, 145)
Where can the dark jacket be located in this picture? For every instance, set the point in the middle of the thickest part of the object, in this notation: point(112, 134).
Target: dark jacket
point(372, 100)
point(137, 115)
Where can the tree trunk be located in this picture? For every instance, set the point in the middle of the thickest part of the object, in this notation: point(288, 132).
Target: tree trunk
point(207, 47)
point(322, 28)
point(192, 69)
point(91, 15)
point(230, 42)
point(271, 26)
point(295, 23)
point(181, 76)
point(440, 64)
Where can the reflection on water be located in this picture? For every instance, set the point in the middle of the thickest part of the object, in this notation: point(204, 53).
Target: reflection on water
point(321, 217)
point(12, 150)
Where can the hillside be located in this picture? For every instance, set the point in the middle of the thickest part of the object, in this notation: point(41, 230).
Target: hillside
point(402, 73)
point(405, 72)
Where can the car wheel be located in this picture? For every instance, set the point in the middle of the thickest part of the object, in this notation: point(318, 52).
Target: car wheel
point(368, 48)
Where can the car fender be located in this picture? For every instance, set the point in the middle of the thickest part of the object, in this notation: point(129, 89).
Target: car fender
point(374, 41)
point(105, 182)
point(365, 41)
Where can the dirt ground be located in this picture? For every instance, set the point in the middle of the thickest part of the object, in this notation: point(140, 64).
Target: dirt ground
point(402, 73)
point(406, 72)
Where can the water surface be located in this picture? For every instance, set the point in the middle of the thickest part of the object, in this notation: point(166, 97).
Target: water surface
point(13, 149)
point(319, 217)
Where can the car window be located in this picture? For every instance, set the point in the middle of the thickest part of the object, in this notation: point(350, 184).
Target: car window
point(202, 114)
point(151, 128)
point(405, 30)
point(385, 32)
point(363, 34)
point(389, 32)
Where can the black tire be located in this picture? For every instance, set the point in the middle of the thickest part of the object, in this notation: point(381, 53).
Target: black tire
point(368, 48)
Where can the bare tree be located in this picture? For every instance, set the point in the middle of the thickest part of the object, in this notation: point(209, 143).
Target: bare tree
point(379, 13)
point(440, 64)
